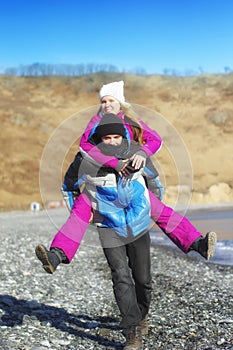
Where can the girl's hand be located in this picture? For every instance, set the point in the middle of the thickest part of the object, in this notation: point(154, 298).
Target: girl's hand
point(138, 160)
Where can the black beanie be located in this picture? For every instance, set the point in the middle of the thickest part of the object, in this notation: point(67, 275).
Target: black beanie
point(110, 124)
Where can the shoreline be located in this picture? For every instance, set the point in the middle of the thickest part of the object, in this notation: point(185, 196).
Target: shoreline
point(216, 218)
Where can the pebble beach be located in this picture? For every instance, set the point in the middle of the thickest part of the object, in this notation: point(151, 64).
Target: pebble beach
point(74, 309)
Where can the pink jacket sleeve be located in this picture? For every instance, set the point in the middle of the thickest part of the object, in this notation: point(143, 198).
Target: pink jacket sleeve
point(152, 143)
point(92, 150)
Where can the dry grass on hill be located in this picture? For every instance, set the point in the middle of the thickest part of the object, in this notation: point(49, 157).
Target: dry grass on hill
point(194, 115)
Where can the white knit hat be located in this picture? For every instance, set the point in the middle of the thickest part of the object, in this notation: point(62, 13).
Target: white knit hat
point(115, 89)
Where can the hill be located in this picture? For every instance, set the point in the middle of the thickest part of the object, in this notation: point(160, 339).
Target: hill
point(42, 119)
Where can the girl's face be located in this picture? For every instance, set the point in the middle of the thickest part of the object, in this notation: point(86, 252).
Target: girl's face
point(114, 140)
point(110, 105)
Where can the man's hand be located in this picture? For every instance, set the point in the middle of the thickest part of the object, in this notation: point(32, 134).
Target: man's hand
point(124, 170)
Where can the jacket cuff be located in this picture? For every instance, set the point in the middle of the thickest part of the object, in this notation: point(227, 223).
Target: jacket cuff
point(142, 153)
point(120, 165)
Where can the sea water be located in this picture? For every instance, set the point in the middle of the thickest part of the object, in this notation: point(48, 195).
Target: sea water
point(218, 219)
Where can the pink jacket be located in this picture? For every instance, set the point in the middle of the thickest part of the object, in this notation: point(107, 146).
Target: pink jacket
point(152, 141)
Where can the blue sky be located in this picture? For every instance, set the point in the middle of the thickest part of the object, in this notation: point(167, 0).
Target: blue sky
point(154, 34)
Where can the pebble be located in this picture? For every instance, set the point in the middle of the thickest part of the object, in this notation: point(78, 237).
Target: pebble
point(75, 309)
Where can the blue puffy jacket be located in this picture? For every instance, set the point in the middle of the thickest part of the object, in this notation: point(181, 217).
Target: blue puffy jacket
point(118, 203)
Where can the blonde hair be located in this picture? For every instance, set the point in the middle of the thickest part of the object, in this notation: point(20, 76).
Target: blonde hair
point(135, 125)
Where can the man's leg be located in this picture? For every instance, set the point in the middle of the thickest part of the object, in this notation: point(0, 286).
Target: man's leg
point(139, 260)
point(123, 287)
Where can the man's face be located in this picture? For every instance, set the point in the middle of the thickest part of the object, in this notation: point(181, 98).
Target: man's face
point(110, 105)
point(114, 140)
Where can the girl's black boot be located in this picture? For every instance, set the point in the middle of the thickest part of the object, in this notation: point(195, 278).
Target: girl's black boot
point(205, 245)
point(50, 258)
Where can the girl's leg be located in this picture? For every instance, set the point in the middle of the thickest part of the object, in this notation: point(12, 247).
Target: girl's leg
point(67, 240)
point(69, 237)
point(175, 226)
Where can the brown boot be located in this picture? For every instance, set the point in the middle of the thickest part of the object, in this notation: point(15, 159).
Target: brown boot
point(133, 339)
point(50, 259)
point(143, 325)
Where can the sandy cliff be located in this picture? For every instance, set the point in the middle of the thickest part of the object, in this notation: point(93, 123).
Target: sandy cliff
point(43, 117)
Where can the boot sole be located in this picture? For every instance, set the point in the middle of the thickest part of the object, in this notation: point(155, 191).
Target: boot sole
point(41, 253)
point(212, 239)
